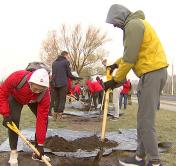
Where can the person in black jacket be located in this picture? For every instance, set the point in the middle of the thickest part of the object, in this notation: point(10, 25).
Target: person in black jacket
point(60, 72)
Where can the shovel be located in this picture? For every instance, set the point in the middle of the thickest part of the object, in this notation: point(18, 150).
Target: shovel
point(14, 128)
point(105, 116)
point(101, 151)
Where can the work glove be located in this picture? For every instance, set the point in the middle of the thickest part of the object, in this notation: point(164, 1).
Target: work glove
point(112, 84)
point(6, 120)
point(112, 67)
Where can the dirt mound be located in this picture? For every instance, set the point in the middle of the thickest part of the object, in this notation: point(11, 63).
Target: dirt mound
point(59, 144)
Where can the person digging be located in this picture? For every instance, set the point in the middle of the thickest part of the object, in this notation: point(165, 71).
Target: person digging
point(144, 54)
point(25, 88)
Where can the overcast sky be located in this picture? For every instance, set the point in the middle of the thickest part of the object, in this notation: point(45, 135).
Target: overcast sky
point(25, 23)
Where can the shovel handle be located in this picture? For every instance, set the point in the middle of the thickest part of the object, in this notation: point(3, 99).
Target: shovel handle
point(102, 103)
point(14, 128)
point(105, 116)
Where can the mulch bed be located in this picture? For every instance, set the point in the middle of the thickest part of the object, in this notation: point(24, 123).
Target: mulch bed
point(59, 144)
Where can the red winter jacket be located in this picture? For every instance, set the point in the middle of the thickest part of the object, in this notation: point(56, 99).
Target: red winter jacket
point(24, 95)
point(69, 86)
point(126, 87)
point(94, 86)
point(77, 89)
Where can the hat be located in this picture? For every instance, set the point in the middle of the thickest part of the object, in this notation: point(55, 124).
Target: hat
point(74, 73)
point(40, 77)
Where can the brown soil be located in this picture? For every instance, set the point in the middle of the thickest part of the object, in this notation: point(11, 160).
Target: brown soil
point(25, 160)
point(59, 144)
point(75, 123)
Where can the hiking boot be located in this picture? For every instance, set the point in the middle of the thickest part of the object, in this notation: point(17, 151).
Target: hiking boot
point(37, 158)
point(131, 161)
point(150, 164)
point(55, 114)
point(13, 161)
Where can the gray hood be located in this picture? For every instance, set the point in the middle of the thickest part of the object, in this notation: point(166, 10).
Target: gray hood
point(117, 15)
point(138, 14)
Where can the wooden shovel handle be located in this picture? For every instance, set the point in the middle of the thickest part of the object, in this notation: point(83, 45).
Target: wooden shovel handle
point(14, 128)
point(105, 116)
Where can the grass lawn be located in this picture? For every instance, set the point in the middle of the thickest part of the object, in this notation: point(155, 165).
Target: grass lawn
point(165, 124)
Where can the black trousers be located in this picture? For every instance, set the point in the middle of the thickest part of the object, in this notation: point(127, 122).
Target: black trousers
point(15, 114)
point(99, 96)
point(60, 98)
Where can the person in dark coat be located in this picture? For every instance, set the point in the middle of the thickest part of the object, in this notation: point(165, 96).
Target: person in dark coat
point(60, 73)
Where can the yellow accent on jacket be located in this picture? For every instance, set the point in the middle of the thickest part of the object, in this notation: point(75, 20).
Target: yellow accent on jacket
point(151, 56)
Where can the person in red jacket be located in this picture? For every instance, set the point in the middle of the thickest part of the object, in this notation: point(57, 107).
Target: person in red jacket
point(77, 90)
point(96, 90)
point(124, 94)
point(13, 98)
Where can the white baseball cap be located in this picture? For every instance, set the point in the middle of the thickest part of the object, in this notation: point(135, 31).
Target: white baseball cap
point(40, 77)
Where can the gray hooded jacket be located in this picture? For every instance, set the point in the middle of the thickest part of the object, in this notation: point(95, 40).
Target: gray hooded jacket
point(133, 29)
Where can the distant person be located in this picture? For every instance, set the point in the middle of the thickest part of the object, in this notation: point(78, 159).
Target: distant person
point(143, 52)
point(77, 90)
point(26, 88)
point(61, 71)
point(96, 91)
point(124, 94)
point(129, 94)
point(100, 81)
point(110, 70)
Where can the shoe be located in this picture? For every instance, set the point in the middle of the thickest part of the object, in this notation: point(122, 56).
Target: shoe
point(114, 119)
point(150, 164)
point(37, 158)
point(13, 161)
point(59, 116)
point(98, 106)
point(131, 161)
point(55, 114)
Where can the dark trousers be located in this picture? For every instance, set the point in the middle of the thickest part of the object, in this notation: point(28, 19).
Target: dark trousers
point(97, 96)
point(52, 102)
point(76, 95)
point(15, 114)
point(123, 96)
point(100, 97)
point(60, 98)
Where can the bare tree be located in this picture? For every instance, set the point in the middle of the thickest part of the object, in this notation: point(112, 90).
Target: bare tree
point(50, 48)
point(85, 47)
